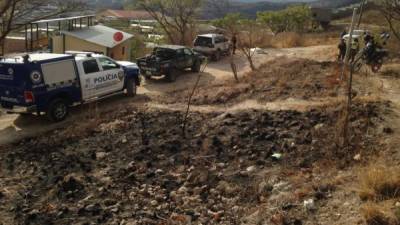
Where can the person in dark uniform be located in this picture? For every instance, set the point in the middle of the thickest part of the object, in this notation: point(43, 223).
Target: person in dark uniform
point(368, 38)
point(342, 49)
point(234, 42)
point(343, 34)
point(355, 48)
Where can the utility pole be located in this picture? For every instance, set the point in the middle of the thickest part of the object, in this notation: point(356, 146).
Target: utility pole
point(350, 80)
point(348, 44)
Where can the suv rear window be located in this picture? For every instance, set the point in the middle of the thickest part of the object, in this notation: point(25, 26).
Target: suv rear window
point(220, 39)
point(203, 41)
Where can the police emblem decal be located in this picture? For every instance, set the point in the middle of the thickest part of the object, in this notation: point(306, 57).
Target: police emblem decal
point(120, 75)
point(10, 71)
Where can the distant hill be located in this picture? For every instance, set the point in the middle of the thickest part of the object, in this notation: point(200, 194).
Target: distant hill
point(334, 3)
point(246, 7)
point(251, 7)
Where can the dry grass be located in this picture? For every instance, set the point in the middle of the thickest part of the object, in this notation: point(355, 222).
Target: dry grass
point(375, 214)
point(379, 183)
point(391, 72)
point(286, 40)
point(292, 39)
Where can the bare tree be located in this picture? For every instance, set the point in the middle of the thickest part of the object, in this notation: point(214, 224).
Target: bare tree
point(230, 22)
point(391, 11)
point(186, 115)
point(176, 17)
point(14, 14)
point(250, 37)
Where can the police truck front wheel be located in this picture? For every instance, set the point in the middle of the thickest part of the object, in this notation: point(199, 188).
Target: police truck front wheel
point(131, 87)
point(57, 110)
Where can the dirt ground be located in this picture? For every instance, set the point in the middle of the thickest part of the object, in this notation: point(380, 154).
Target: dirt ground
point(265, 153)
point(14, 127)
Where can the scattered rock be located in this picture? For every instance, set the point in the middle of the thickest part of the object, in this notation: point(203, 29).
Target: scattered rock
point(100, 155)
point(388, 130)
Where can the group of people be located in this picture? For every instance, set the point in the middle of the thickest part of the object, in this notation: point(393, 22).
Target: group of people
point(354, 47)
point(371, 45)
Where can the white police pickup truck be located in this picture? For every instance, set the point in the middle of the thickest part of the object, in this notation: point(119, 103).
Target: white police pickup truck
point(51, 83)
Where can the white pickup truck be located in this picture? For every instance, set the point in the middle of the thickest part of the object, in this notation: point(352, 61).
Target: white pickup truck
point(51, 83)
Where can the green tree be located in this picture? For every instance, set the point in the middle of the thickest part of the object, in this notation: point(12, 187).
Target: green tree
point(230, 22)
point(275, 20)
point(175, 17)
point(294, 18)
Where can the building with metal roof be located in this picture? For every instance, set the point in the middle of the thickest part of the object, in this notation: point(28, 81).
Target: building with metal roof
point(98, 38)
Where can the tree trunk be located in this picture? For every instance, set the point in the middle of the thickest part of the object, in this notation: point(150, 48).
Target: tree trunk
point(250, 59)
point(234, 68)
point(183, 37)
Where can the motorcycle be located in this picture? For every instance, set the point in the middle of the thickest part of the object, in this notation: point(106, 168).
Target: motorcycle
point(372, 55)
point(373, 58)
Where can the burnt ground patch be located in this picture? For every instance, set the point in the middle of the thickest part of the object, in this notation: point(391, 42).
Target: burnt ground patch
point(137, 166)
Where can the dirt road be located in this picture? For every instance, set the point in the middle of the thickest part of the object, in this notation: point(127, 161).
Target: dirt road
point(14, 127)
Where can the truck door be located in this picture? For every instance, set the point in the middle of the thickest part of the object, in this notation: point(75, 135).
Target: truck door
point(188, 57)
point(113, 77)
point(180, 59)
point(88, 70)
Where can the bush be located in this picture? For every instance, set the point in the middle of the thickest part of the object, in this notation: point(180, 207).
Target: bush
point(379, 183)
point(377, 215)
point(292, 19)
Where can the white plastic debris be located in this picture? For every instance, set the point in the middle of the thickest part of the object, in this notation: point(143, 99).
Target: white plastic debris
point(277, 156)
point(309, 204)
point(258, 50)
point(357, 157)
point(251, 169)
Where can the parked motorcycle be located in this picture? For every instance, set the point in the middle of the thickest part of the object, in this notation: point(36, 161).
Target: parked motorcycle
point(373, 54)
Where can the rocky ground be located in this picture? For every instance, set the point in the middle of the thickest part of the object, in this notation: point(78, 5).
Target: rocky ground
point(138, 168)
point(249, 166)
point(279, 79)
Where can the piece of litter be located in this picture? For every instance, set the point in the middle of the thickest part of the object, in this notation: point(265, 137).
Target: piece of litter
point(277, 155)
point(309, 204)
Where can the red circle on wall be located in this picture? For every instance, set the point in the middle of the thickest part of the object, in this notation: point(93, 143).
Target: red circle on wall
point(118, 36)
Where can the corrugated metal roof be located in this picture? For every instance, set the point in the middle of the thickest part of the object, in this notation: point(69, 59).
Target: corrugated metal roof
point(98, 34)
point(63, 19)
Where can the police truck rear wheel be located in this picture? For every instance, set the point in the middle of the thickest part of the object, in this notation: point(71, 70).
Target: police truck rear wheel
point(57, 110)
point(131, 87)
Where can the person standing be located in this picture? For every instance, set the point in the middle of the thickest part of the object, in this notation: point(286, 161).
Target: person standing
point(355, 47)
point(234, 42)
point(342, 50)
point(343, 34)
